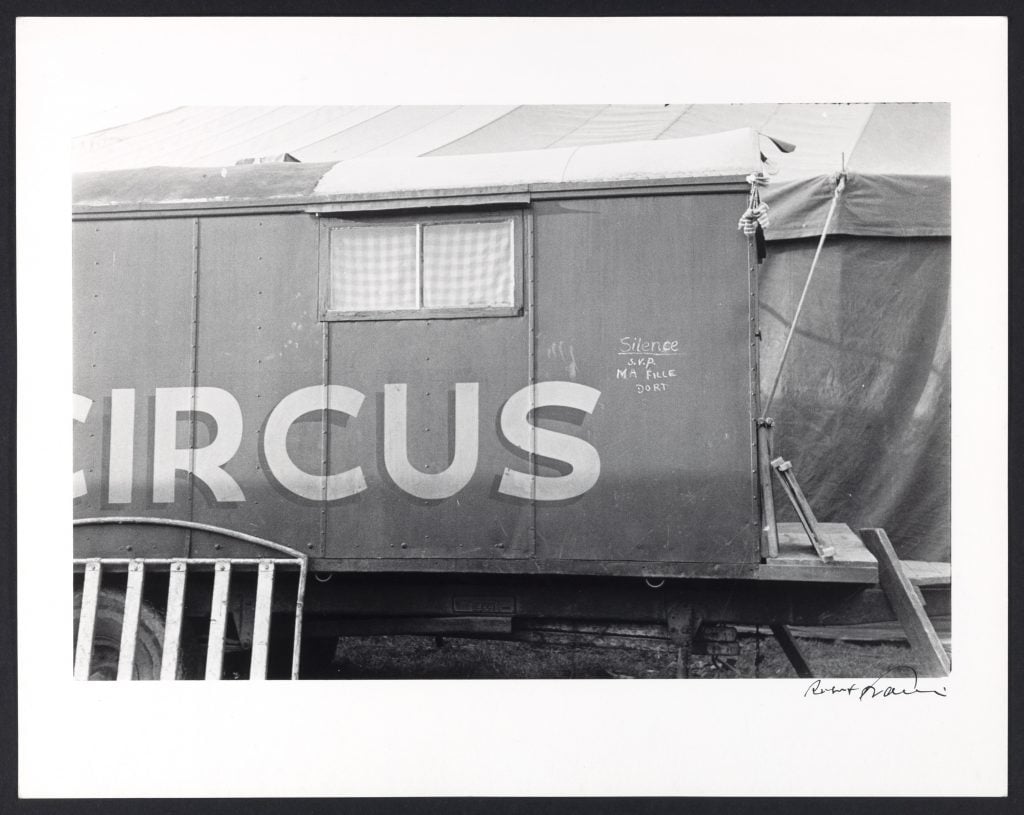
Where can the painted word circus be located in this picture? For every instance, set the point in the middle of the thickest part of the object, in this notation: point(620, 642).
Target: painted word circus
point(207, 463)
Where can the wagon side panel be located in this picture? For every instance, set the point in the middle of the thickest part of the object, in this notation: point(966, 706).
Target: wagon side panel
point(430, 357)
point(132, 294)
point(647, 300)
point(259, 340)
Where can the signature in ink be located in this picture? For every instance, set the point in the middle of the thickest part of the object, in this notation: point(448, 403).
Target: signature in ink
point(873, 689)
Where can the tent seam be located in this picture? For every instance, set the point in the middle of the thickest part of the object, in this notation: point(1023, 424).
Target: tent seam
point(474, 130)
point(577, 128)
point(860, 132)
point(350, 127)
point(674, 122)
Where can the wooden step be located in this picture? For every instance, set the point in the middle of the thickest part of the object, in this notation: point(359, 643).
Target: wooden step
point(853, 563)
point(797, 560)
point(927, 572)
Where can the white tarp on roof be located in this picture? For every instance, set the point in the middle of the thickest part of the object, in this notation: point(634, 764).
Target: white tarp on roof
point(873, 138)
point(896, 155)
point(724, 154)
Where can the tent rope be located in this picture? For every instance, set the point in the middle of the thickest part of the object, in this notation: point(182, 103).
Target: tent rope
point(757, 212)
point(840, 185)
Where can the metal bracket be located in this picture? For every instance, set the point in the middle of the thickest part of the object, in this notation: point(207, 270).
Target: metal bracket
point(769, 529)
point(784, 470)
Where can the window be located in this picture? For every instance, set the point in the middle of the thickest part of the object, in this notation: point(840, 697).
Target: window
point(442, 266)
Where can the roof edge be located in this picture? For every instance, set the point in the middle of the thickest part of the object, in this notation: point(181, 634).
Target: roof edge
point(730, 153)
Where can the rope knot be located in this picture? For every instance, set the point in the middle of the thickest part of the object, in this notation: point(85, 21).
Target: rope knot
point(757, 211)
point(754, 216)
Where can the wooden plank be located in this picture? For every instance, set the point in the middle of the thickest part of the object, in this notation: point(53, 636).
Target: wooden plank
point(906, 603)
point(871, 632)
point(218, 619)
point(370, 626)
point(87, 619)
point(543, 566)
point(821, 573)
point(261, 622)
point(797, 560)
point(927, 573)
point(172, 624)
point(630, 630)
point(769, 531)
point(917, 589)
point(792, 651)
point(795, 546)
point(130, 626)
point(569, 638)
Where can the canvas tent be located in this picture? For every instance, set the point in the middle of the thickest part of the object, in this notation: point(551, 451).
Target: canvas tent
point(863, 405)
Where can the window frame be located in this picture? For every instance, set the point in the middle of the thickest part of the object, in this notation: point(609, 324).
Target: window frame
point(521, 225)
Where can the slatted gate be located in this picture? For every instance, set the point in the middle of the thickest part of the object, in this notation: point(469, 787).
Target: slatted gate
point(179, 570)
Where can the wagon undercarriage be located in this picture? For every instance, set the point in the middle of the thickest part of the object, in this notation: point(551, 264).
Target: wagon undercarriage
point(233, 605)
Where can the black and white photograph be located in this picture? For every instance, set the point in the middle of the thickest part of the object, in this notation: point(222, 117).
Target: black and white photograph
point(459, 390)
point(538, 375)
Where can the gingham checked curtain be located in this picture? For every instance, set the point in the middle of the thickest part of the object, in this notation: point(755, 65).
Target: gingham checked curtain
point(467, 265)
point(373, 268)
point(464, 265)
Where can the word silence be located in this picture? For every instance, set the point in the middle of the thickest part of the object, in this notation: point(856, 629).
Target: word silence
point(644, 363)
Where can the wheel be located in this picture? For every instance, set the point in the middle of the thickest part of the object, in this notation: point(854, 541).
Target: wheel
point(107, 637)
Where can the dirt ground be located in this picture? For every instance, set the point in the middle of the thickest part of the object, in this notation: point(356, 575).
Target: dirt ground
point(421, 657)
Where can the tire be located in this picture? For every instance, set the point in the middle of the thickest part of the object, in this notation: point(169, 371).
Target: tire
point(107, 637)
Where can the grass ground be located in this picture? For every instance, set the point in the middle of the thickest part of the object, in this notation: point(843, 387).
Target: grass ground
point(419, 657)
